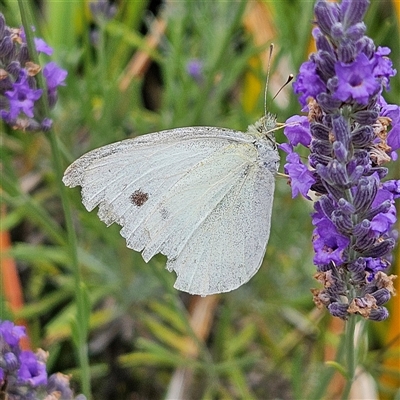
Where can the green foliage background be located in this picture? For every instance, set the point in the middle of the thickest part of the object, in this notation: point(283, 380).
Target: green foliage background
point(266, 338)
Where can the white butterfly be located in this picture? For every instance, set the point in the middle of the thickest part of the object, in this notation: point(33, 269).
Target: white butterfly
point(202, 196)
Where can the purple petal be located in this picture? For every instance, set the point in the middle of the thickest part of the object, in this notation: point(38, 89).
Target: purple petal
point(43, 47)
point(301, 179)
point(31, 370)
point(297, 130)
point(355, 81)
point(308, 83)
point(54, 75)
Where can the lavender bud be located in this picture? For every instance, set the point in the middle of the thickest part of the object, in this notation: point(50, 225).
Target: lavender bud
point(362, 157)
point(14, 68)
point(323, 267)
point(23, 55)
point(382, 296)
point(366, 117)
point(370, 288)
point(319, 131)
point(337, 31)
point(347, 51)
point(338, 173)
point(333, 84)
point(327, 16)
point(319, 187)
point(346, 207)
point(338, 309)
point(382, 208)
point(5, 84)
point(46, 124)
point(32, 82)
point(358, 265)
point(52, 97)
point(381, 171)
point(6, 46)
point(326, 205)
point(3, 101)
point(364, 243)
point(341, 130)
point(2, 26)
point(362, 135)
point(325, 64)
point(342, 221)
point(321, 147)
point(11, 361)
point(356, 174)
point(356, 32)
point(381, 249)
point(323, 172)
point(367, 189)
point(353, 12)
point(362, 229)
point(316, 159)
point(366, 45)
point(357, 269)
point(323, 44)
point(340, 151)
point(327, 103)
point(334, 191)
point(378, 314)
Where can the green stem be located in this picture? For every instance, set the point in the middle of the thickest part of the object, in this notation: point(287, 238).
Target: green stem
point(350, 355)
point(82, 323)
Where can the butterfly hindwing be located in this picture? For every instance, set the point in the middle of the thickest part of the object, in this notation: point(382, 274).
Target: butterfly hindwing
point(231, 240)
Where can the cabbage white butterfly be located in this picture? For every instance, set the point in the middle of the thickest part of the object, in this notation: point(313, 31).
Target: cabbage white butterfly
point(202, 196)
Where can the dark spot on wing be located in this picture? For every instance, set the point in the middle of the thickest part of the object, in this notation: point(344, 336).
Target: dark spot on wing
point(164, 213)
point(138, 198)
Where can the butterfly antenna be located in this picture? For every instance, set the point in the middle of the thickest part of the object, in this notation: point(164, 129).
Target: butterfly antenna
point(289, 79)
point(271, 49)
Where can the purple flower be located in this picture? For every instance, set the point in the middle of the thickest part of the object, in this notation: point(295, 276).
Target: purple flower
point(22, 98)
point(383, 221)
point(31, 371)
point(328, 243)
point(25, 372)
point(194, 68)
point(297, 130)
point(356, 81)
point(382, 66)
point(43, 47)
point(19, 95)
point(55, 76)
point(351, 132)
point(11, 333)
point(308, 83)
point(301, 179)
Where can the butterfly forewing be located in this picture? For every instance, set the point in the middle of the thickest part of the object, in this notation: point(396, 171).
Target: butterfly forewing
point(199, 195)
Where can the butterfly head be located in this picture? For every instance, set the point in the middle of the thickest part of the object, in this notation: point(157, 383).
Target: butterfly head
point(264, 127)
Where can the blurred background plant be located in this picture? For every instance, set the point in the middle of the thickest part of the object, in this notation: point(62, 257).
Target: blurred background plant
point(139, 67)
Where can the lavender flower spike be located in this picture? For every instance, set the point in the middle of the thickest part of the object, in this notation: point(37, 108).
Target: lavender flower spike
point(18, 92)
point(23, 374)
point(351, 133)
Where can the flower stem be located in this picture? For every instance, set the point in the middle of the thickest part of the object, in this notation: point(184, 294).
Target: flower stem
point(349, 354)
point(81, 302)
